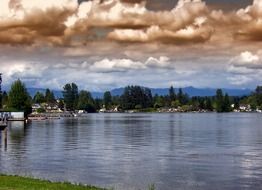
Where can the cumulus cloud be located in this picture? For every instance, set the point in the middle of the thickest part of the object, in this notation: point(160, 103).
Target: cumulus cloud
point(93, 68)
point(185, 23)
point(244, 24)
point(93, 75)
point(58, 22)
point(190, 34)
point(245, 68)
point(247, 60)
point(28, 22)
point(66, 22)
point(124, 65)
point(251, 26)
point(29, 72)
point(239, 80)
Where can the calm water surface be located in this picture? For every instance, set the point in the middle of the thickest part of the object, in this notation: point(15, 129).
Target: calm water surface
point(130, 151)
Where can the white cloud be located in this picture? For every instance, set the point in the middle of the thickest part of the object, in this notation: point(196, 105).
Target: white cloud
point(155, 33)
point(124, 65)
point(186, 22)
point(116, 65)
point(239, 80)
point(248, 57)
point(162, 62)
point(18, 9)
point(245, 68)
point(83, 12)
point(247, 60)
point(31, 22)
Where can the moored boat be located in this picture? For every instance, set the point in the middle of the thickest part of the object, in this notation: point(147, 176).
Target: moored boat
point(36, 118)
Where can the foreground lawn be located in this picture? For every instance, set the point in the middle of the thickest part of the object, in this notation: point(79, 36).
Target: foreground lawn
point(22, 183)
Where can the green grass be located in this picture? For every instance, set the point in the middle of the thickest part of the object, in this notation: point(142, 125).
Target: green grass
point(24, 183)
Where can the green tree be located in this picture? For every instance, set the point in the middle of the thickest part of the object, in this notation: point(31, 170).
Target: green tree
point(98, 103)
point(172, 94)
point(70, 95)
point(226, 104)
point(182, 98)
point(175, 104)
point(208, 104)
point(258, 95)
point(4, 99)
point(39, 98)
point(49, 96)
point(107, 99)
point(136, 96)
point(18, 98)
point(180, 95)
point(158, 101)
point(219, 100)
point(86, 102)
point(223, 103)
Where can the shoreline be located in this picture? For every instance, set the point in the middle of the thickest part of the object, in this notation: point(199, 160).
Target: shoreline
point(15, 182)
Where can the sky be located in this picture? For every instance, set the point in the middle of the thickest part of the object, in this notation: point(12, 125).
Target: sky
point(105, 44)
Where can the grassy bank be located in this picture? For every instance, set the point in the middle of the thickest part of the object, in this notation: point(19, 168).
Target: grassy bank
point(22, 183)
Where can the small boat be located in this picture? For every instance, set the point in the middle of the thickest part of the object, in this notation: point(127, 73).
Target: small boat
point(16, 119)
point(37, 118)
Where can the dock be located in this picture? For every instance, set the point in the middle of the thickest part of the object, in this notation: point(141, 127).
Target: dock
point(6, 117)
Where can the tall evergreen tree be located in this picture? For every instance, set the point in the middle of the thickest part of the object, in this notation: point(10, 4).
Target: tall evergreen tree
point(39, 98)
point(135, 97)
point(209, 105)
point(18, 98)
point(180, 95)
point(258, 96)
point(219, 100)
point(86, 102)
point(49, 96)
point(172, 94)
point(226, 104)
point(70, 95)
point(107, 99)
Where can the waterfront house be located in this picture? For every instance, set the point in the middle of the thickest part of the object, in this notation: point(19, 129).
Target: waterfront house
point(245, 108)
point(36, 107)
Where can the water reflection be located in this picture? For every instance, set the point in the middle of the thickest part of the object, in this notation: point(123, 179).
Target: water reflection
point(130, 151)
point(17, 132)
point(3, 139)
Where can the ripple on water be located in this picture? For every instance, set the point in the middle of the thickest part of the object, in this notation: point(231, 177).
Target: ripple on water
point(130, 151)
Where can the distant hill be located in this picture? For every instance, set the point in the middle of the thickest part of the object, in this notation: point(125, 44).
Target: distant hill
point(191, 91)
point(33, 91)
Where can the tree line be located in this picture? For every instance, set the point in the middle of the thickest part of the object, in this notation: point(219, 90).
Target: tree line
point(141, 99)
point(133, 98)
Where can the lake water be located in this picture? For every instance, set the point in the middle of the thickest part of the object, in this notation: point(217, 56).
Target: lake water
point(130, 151)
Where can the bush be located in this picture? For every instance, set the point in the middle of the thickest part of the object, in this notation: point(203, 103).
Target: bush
point(40, 110)
point(138, 107)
